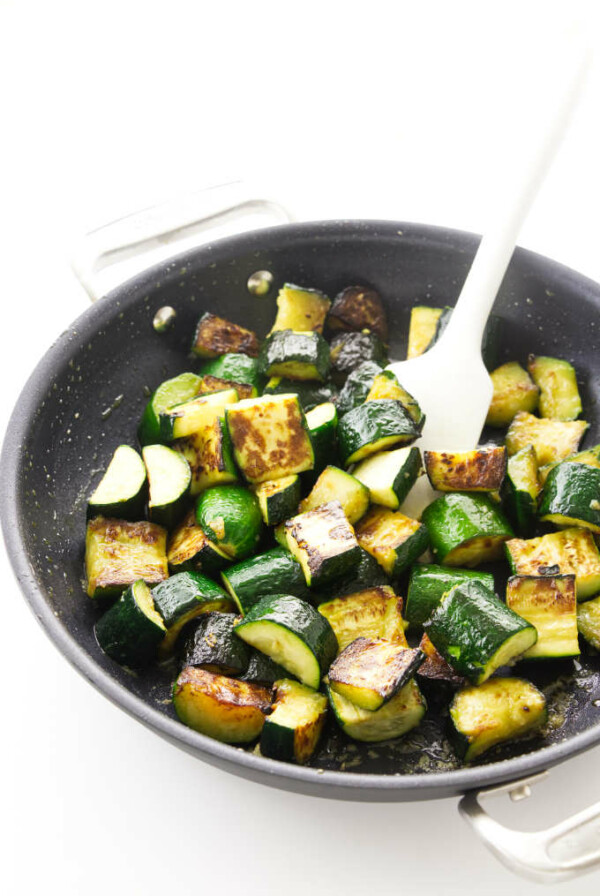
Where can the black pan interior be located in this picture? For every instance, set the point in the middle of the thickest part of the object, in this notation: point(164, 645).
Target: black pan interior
point(87, 395)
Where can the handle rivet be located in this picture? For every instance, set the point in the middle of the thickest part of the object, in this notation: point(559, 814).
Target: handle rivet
point(260, 282)
point(163, 318)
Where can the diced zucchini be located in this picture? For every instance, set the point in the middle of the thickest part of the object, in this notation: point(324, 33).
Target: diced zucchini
point(588, 621)
point(174, 391)
point(386, 385)
point(390, 475)
point(571, 496)
point(476, 633)
point(274, 572)
point(569, 552)
point(591, 457)
point(559, 395)
point(357, 387)
point(435, 668)
point(550, 604)
point(370, 671)
point(212, 384)
point(190, 549)
point(466, 530)
point(297, 356)
point(216, 336)
point(292, 731)
point(395, 718)
point(131, 630)
point(210, 643)
point(293, 634)
point(229, 710)
point(358, 308)
point(118, 553)
point(499, 710)
point(301, 309)
point(428, 583)
point(181, 598)
point(335, 484)
point(278, 499)
point(480, 470)
point(521, 490)
point(393, 539)
point(350, 350)
point(322, 423)
point(310, 393)
point(324, 543)
point(366, 574)
point(553, 440)
point(210, 456)
point(373, 427)
point(169, 480)
point(514, 391)
point(262, 670)
point(231, 518)
point(121, 493)
point(372, 613)
point(422, 328)
point(234, 367)
point(270, 437)
point(197, 415)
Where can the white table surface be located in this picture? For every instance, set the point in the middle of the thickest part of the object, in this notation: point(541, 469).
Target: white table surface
point(341, 110)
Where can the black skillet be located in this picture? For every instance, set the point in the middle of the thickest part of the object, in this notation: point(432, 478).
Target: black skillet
point(86, 396)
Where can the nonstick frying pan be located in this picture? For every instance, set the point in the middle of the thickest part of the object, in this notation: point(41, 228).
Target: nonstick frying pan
point(87, 394)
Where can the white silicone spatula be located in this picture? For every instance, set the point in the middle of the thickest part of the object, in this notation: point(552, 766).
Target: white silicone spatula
point(450, 381)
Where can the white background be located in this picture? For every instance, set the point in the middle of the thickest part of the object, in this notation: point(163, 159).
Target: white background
point(411, 111)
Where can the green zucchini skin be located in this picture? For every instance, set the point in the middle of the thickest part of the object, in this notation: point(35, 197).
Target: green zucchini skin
point(126, 483)
point(292, 730)
point(370, 671)
point(557, 381)
point(429, 582)
point(366, 574)
point(181, 598)
point(323, 435)
point(230, 517)
point(295, 355)
point(126, 632)
point(324, 543)
point(274, 572)
point(173, 391)
point(310, 394)
point(456, 521)
point(470, 628)
point(393, 719)
point(278, 499)
point(350, 350)
point(210, 642)
point(236, 368)
point(520, 491)
point(373, 426)
point(390, 475)
point(189, 549)
point(571, 496)
point(394, 540)
point(357, 387)
point(263, 670)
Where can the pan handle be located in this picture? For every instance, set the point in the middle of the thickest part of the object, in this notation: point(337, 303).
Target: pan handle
point(163, 225)
point(565, 850)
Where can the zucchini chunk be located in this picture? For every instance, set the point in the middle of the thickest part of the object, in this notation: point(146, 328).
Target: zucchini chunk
point(366, 574)
point(323, 542)
point(270, 437)
point(216, 336)
point(571, 496)
point(559, 395)
point(234, 367)
point(394, 540)
point(550, 604)
point(402, 713)
point(374, 426)
point(229, 710)
point(181, 598)
point(429, 582)
point(521, 490)
point(121, 493)
point(372, 613)
point(292, 731)
point(278, 499)
point(358, 308)
point(588, 621)
point(297, 356)
point(211, 644)
point(310, 394)
point(357, 387)
point(174, 391)
point(481, 470)
point(169, 480)
point(335, 484)
point(197, 415)
point(435, 668)
point(553, 440)
point(322, 424)
point(230, 517)
point(274, 572)
point(301, 309)
point(190, 549)
point(293, 634)
point(262, 670)
point(390, 475)
point(466, 530)
point(370, 671)
point(118, 553)
point(514, 391)
point(210, 456)
point(570, 552)
point(212, 384)
point(131, 630)
point(350, 350)
point(386, 385)
point(421, 329)
point(476, 633)
point(499, 710)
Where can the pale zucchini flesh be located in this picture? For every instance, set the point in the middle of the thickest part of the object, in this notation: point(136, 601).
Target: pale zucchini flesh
point(402, 713)
point(390, 475)
point(370, 671)
point(570, 552)
point(553, 440)
point(370, 613)
point(335, 484)
point(514, 391)
point(550, 604)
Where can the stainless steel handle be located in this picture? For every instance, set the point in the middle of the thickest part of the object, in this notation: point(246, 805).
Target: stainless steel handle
point(167, 225)
point(557, 853)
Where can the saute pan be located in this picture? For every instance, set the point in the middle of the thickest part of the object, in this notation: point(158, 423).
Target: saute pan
point(86, 396)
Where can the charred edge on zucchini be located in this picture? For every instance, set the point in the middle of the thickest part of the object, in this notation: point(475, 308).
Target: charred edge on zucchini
point(370, 671)
point(211, 644)
point(293, 729)
point(210, 456)
point(374, 612)
point(394, 540)
point(278, 499)
point(190, 549)
point(399, 715)
point(481, 470)
point(358, 308)
point(569, 552)
point(435, 668)
point(216, 336)
point(181, 598)
point(118, 553)
point(324, 543)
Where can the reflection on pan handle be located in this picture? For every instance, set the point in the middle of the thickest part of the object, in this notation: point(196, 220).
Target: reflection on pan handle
point(164, 229)
point(557, 853)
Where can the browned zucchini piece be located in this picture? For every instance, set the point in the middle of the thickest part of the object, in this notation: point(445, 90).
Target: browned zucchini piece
point(422, 329)
point(300, 309)
point(216, 336)
point(553, 440)
point(568, 552)
point(190, 548)
point(229, 710)
point(118, 553)
point(359, 308)
point(435, 667)
point(481, 470)
point(350, 350)
point(370, 671)
point(210, 456)
point(386, 385)
point(211, 384)
point(292, 731)
point(323, 542)
point(393, 539)
point(514, 391)
point(370, 613)
point(559, 394)
point(550, 604)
